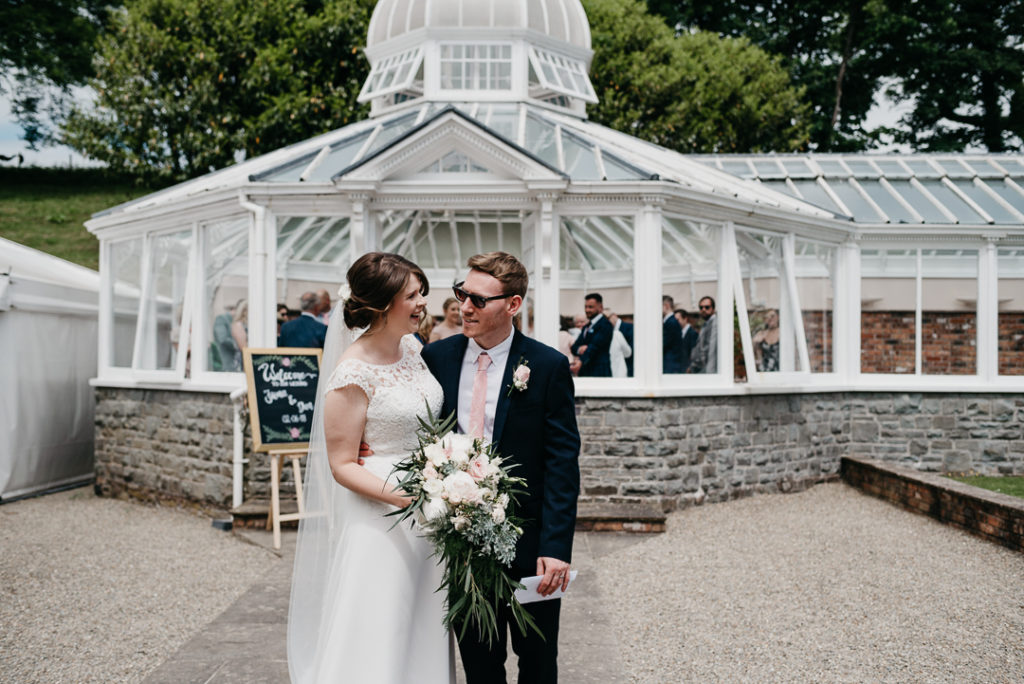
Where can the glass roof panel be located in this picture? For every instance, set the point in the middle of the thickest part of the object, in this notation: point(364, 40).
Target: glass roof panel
point(1013, 165)
point(921, 168)
point(928, 211)
point(616, 169)
point(797, 168)
point(985, 201)
point(862, 168)
point(896, 212)
point(339, 158)
point(862, 211)
point(1007, 192)
point(955, 168)
point(392, 130)
point(813, 193)
point(832, 167)
point(892, 168)
point(504, 122)
point(737, 168)
point(580, 160)
point(987, 167)
point(768, 168)
point(951, 201)
point(540, 139)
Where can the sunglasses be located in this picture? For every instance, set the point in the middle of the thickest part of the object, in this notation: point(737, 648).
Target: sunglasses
point(477, 300)
point(705, 307)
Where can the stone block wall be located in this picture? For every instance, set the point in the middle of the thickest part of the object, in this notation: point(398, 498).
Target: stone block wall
point(681, 451)
point(177, 446)
point(667, 452)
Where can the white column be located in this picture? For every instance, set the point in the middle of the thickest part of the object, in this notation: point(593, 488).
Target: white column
point(363, 239)
point(262, 275)
point(647, 294)
point(918, 318)
point(547, 283)
point(846, 313)
point(988, 312)
point(106, 338)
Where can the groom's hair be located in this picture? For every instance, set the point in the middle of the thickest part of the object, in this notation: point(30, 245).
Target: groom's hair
point(508, 270)
point(375, 279)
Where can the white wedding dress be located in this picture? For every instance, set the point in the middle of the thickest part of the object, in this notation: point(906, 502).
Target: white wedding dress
point(380, 616)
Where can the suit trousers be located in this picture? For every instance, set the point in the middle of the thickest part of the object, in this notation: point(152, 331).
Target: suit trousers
point(538, 658)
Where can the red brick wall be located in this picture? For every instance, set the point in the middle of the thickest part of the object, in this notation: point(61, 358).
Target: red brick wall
point(948, 342)
point(1011, 343)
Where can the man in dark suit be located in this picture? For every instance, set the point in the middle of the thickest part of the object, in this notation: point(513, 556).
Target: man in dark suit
point(592, 346)
point(626, 328)
point(306, 330)
point(689, 337)
point(671, 338)
point(534, 428)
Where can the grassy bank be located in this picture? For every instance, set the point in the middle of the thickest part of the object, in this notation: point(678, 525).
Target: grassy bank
point(46, 208)
point(1012, 485)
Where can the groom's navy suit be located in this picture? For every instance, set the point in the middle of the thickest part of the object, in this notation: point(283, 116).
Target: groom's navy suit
point(534, 429)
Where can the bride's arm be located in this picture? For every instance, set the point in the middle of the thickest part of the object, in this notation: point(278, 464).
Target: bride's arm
point(344, 420)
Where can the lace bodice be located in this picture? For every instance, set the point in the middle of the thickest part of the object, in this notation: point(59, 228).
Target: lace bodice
point(398, 393)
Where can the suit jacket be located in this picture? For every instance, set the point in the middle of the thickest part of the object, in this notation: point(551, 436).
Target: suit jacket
point(304, 331)
point(534, 430)
point(595, 362)
point(671, 345)
point(689, 342)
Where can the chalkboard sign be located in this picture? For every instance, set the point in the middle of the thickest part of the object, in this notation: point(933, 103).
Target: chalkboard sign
point(282, 392)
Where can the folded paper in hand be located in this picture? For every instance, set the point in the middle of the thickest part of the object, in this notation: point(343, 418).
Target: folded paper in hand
point(530, 595)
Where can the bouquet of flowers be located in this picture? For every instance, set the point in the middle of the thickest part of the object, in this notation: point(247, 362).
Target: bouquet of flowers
point(461, 498)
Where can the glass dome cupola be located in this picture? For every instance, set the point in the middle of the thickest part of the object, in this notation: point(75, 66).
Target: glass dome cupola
point(479, 51)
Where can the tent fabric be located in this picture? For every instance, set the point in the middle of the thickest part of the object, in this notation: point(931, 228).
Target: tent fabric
point(48, 353)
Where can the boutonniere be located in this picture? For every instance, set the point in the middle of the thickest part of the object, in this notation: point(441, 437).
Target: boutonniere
point(520, 376)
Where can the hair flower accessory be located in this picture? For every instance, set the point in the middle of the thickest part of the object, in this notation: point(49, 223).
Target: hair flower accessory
point(344, 293)
point(520, 376)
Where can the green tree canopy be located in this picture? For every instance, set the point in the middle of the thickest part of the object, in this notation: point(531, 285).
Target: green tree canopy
point(46, 47)
point(188, 86)
point(695, 92)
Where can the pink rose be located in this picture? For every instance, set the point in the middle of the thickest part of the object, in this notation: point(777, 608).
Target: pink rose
point(478, 468)
point(522, 375)
point(294, 432)
point(287, 362)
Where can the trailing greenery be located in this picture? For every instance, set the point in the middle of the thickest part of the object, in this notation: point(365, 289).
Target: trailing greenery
point(46, 208)
point(185, 87)
point(696, 92)
point(1012, 485)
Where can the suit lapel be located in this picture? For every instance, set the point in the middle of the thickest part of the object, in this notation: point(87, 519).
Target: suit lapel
point(504, 400)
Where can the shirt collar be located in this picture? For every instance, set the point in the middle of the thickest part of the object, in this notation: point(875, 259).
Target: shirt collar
point(498, 352)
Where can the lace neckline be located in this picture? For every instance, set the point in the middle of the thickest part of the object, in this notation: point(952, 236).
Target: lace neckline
point(402, 347)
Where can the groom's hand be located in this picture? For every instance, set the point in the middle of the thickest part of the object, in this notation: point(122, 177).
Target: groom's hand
point(556, 574)
point(364, 452)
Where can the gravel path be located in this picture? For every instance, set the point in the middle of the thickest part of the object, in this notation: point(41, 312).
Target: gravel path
point(98, 590)
point(825, 585)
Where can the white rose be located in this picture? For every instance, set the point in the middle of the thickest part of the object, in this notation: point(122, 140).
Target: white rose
point(460, 446)
point(435, 454)
point(498, 514)
point(432, 509)
point(460, 522)
point(502, 501)
point(433, 488)
point(429, 472)
point(460, 487)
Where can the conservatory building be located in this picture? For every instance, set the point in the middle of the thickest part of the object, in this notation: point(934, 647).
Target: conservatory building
point(893, 286)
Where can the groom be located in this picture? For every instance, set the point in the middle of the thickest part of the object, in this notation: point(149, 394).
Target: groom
point(533, 427)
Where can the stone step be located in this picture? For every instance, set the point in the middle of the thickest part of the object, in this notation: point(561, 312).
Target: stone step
point(254, 513)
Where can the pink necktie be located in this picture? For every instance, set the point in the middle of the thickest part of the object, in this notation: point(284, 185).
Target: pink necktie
point(479, 404)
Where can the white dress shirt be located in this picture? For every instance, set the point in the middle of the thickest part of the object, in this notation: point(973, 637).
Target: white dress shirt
point(495, 372)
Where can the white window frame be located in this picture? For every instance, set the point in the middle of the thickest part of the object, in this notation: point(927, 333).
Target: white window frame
point(579, 87)
point(397, 73)
point(486, 62)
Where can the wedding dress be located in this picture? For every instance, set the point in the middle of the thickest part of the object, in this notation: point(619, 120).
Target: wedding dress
point(365, 606)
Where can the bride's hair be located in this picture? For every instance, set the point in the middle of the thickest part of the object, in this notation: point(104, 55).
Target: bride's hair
point(375, 279)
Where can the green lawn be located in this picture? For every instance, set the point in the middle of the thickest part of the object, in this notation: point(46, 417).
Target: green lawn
point(1012, 485)
point(46, 208)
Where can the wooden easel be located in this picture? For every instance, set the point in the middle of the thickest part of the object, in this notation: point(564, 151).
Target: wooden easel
point(274, 517)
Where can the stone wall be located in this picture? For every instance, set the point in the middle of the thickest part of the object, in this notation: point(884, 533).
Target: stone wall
point(681, 451)
point(170, 445)
point(669, 452)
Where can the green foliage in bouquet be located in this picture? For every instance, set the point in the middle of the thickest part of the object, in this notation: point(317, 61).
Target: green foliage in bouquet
point(461, 498)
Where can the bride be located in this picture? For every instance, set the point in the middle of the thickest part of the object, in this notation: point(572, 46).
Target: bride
point(364, 606)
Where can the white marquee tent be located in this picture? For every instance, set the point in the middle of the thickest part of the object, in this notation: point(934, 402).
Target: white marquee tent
point(48, 333)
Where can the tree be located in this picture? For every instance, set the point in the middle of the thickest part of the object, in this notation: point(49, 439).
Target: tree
point(188, 86)
point(695, 92)
point(831, 48)
point(45, 49)
point(961, 63)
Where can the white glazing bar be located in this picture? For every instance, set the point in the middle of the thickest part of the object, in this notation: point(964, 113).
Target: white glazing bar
point(559, 149)
point(724, 350)
point(366, 144)
point(988, 312)
point(998, 199)
point(599, 159)
point(191, 296)
point(867, 198)
point(105, 338)
point(144, 286)
point(884, 182)
point(823, 184)
point(789, 263)
point(315, 164)
point(647, 296)
point(931, 198)
point(1013, 184)
point(918, 317)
